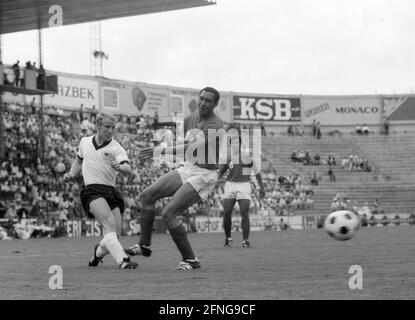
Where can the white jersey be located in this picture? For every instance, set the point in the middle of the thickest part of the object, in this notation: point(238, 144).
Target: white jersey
point(96, 160)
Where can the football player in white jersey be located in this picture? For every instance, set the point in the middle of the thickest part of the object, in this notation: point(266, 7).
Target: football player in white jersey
point(100, 158)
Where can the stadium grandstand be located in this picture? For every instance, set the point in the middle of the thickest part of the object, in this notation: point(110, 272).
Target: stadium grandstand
point(374, 171)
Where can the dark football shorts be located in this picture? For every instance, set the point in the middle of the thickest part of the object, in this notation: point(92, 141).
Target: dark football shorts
point(94, 191)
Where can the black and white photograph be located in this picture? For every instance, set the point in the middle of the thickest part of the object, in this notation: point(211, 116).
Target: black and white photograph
point(207, 155)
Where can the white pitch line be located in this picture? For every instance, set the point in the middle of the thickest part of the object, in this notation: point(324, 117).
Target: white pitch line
point(18, 255)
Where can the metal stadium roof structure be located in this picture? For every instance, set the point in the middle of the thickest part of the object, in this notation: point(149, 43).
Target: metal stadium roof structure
point(22, 15)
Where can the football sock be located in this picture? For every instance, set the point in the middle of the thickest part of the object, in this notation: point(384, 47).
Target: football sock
point(245, 227)
point(114, 247)
point(146, 223)
point(179, 237)
point(227, 224)
point(101, 250)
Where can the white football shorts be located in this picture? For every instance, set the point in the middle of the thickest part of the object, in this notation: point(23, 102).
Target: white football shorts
point(237, 190)
point(201, 179)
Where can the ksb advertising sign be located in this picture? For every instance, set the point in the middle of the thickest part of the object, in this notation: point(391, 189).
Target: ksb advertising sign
point(134, 98)
point(399, 108)
point(351, 110)
point(183, 102)
point(266, 108)
point(72, 92)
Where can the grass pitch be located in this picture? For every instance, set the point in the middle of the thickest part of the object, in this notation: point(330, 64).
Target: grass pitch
point(304, 264)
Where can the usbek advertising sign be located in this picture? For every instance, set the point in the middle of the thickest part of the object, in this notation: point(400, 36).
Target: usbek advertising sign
point(266, 108)
point(73, 91)
point(342, 110)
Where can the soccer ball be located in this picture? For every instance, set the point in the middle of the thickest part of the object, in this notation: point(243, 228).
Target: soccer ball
point(342, 225)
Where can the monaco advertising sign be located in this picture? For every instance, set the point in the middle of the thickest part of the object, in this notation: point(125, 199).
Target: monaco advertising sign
point(266, 108)
point(343, 110)
point(399, 108)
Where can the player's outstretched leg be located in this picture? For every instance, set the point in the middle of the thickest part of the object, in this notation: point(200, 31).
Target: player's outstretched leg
point(146, 224)
point(245, 224)
point(166, 186)
point(102, 212)
point(181, 200)
point(99, 252)
point(228, 205)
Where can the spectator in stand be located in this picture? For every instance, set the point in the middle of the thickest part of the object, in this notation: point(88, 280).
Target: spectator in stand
point(314, 180)
point(331, 175)
point(263, 132)
point(314, 127)
point(331, 160)
point(294, 157)
point(290, 131)
point(11, 212)
point(284, 225)
point(385, 123)
point(298, 130)
point(3, 209)
point(29, 66)
point(41, 78)
point(335, 131)
point(81, 112)
point(375, 208)
point(317, 160)
point(94, 113)
point(307, 158)
point(318, 130)
point(16, 71)
point(155, 120)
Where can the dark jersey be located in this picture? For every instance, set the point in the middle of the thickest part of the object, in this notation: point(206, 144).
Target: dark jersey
point(239, 172)
point(192, 121)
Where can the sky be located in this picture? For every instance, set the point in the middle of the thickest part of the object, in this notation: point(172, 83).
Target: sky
point(327, 47)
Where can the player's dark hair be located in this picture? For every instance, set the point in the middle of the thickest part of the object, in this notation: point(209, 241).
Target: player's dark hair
point(212, 90)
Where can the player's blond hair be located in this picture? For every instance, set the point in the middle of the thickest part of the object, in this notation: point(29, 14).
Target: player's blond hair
point(105, 115)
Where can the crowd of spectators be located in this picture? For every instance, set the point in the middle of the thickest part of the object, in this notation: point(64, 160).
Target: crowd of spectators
point(296, 130)
point(362, 130)
point(285, 194)
point(356, 163)
point(342, 201)
point(351, 163)
point(31, 185)
point(305, 158)
point(16, 77)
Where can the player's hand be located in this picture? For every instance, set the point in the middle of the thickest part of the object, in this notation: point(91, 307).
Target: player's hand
point(68, 177)
point(262, 193)
point(146, 153)
point(115, 165)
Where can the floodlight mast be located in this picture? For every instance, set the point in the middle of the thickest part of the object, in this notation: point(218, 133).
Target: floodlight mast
point(42, 132)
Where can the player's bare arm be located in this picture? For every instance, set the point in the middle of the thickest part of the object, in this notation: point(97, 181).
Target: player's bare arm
point(259, 179)
point(222, 169)
point(74, 171)
point(122, 167)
